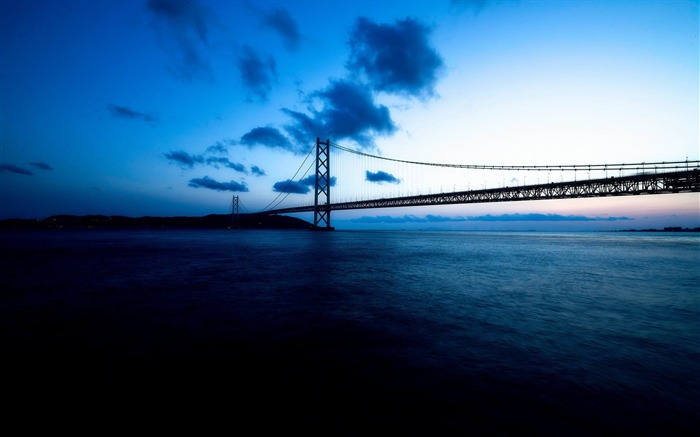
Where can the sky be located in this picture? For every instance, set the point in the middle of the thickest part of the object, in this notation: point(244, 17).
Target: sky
point(172, 107)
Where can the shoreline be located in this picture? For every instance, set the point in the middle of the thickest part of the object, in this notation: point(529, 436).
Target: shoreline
point(211, 221)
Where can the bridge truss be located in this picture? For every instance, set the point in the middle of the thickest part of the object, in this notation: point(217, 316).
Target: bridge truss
point(641, 184)
point(639, 179)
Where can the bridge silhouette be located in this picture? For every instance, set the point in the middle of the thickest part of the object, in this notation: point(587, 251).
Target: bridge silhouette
point(630, 179)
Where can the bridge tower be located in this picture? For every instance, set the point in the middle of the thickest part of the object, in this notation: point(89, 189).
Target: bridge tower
point(322, 194)
point(234, 209)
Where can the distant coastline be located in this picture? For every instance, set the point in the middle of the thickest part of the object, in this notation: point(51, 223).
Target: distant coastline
point(212, 221)
point(666, 229)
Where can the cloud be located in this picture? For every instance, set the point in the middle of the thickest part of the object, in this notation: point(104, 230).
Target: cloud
point(543, 218)
point(289, 186)
point(207, 182)
point(389, 219)
point(281, 21)
point(460, 6)
point(186, 26)
point(218, 149)
point(310, 181)
point(392, 58)
point(41, 165)
point(303, 186)
point(211, 157)
point(535, 217)
point(14, 169)
point(216, 161)
point(348, 111)
point(268, 137)
point(303, 129)
point(395, 58)
point(257, 74)
point(184, 159)
point(380, 177)
point(128, 113)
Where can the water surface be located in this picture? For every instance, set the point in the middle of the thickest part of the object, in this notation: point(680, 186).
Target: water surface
point(441, 332)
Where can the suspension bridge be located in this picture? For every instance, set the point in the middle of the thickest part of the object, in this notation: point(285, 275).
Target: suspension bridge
point(389, 183)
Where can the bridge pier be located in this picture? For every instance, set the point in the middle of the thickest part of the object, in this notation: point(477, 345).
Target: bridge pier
point(322, 193)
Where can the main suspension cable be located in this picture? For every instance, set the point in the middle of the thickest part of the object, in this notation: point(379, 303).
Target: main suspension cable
point(289, 182)
point(569, 167)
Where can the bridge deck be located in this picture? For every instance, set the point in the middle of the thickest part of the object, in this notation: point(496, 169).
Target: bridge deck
point(646, 183)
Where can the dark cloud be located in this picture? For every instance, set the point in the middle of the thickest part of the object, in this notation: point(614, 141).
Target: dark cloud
point(124, 112)
point(380, 177)
point(349, 111)
point(14, 169)
point(186, 27)
point(310, 181)
point(257, 171)
point(289, 186)
point(395, 58)
point(282, 22)
point(41, 165)
point(257, 74)
point(268, 137)
point(486, 218)
point(303, 129)
point(303, 186)
point(207, 182)
point(184, 159)
point(216, 161)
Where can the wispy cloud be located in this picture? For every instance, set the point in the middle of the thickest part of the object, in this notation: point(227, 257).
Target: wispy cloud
point(15, 169)
point(381, 177)
point(459, 6)
point(222, 161)
point(395, 58)
point(281, 21)
point(535, 217)
point(184, 159)
point(41, 165)
point(257, 171)
point(185, 26)
point(209, 183)
point(187, 160)
point(219, 148)
point(257, 74)
point(128, 113)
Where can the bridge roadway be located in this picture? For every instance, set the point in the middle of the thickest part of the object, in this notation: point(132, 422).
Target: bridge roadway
point(645, 183)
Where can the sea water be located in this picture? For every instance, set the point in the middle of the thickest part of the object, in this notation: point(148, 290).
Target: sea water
point(355, 331)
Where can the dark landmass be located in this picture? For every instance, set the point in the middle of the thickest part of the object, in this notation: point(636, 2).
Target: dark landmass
point(212, 221)
point(667, 229)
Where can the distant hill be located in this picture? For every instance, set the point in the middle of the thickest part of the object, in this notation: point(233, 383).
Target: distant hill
point(212, 221)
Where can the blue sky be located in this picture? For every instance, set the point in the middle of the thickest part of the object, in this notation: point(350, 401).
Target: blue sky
point(171, 107)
